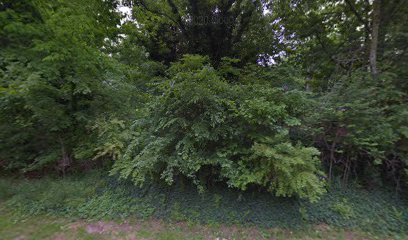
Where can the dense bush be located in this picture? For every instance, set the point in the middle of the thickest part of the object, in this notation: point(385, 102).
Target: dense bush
point(204, 128)
point(360, 126)
point(274, 97)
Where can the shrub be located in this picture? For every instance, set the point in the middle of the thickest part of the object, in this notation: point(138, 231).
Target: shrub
point(360, 129)
point(343, 208)
point(204, 128)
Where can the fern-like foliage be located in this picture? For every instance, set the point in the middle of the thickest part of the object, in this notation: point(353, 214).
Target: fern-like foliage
point(205, 128)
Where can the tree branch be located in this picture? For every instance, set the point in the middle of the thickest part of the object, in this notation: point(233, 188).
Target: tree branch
point(358, 15)
point(176, 12)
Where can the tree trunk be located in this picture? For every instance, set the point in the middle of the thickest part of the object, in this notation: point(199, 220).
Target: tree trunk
point(375, 26)
point(65, 161)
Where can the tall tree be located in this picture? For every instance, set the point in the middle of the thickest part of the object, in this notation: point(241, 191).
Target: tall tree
point(221, 28)
point(55, 79)
point(375, 25)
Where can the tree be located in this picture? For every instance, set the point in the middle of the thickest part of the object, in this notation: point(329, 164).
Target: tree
point(376, 19)
point(216, 29)
point(56, 80)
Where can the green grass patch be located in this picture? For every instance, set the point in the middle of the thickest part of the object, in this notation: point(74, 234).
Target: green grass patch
point(95, 197)
point(50, 227)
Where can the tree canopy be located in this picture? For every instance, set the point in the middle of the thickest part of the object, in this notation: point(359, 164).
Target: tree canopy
point(283, 96)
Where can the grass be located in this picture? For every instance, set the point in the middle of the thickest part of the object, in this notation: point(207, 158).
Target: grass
point(94, 207)
point(49, 227)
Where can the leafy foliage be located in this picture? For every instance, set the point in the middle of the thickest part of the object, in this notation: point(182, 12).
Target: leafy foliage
point(218, 29)
point(56, 82)
point(90, 197)
point(360, 127)
point(265, 95)
point(206, 129)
